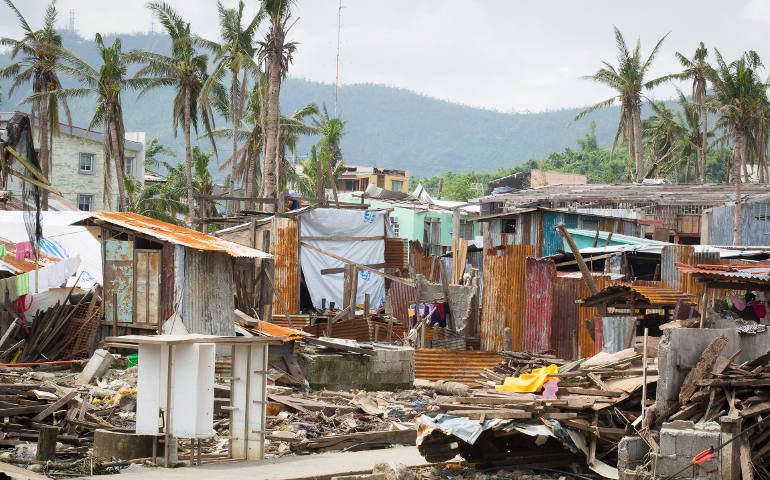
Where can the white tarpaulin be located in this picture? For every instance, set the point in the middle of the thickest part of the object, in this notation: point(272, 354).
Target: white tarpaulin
point(327, 222)
point(60, 239)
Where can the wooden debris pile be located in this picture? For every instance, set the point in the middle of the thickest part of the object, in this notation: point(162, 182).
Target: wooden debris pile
point(517, 363)
point(65, 331)
point(597, 403)
point(718, 386)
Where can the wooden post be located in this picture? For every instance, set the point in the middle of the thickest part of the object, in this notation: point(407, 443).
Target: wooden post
point(644, 374)
point(366, 305)
point(46, 443)
point(353, 292)
point(587, 277)
point(333, 186)
point(703, 306)
point(319, 184)
point(596, 237)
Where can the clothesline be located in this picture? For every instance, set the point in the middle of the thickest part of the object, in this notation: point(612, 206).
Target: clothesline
point(37, 281)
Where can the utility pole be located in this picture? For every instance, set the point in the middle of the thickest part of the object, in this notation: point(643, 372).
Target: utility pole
point(337, 79)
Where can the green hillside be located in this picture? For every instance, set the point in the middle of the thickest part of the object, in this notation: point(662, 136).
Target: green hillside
point(389, 127)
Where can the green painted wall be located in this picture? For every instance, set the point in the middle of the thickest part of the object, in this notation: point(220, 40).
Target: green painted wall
point(412, 222)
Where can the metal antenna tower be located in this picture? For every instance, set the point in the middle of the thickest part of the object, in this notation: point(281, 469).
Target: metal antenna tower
point(337, 79)
point(71, 26)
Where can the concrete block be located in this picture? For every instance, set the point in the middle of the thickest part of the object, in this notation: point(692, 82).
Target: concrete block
point(97, 366)
point(125, 446)
point(680, 441)
point(390, 368)
point(631, 453)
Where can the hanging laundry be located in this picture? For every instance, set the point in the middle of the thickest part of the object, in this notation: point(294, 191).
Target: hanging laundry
point(8, 290)
point(57, 274)
point(759, 308)
point(739, 302)
point(38, 281)
point(3, 252)
point(24, 250)
point(22, 284)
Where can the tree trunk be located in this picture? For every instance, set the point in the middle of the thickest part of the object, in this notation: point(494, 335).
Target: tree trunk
point(236, 123)
point(703, 146)
point(43, 156)
point(638, 150)
point(739, 152)
point(630, 138)
point(118, 158)
point(687, 172)
point(188, 158)
point(269, 179)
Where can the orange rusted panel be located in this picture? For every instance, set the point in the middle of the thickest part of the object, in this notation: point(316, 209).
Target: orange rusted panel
point(504, 300)
point(284, 244)
point(537, 331)
point(586, 336)
point(462, 366)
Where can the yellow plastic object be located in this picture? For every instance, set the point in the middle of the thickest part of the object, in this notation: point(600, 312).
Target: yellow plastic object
point(528, 382)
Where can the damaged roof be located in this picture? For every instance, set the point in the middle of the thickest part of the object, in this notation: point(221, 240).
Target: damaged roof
point(652, 295)
point(175, 234)
point(755, 273)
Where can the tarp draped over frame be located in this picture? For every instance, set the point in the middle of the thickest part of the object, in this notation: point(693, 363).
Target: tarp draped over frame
point(325, 222)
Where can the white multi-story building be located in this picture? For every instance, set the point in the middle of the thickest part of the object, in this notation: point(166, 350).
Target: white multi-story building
point(78, 166)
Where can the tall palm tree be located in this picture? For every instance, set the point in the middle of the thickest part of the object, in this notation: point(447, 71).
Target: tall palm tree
point(278, 52)
point(628, 79)
point(739, 97)
point(668, 140)
point(332, 131)
point(107, 84)
point(235, 52)
point(697, 69)
point(40, 52)
point(185, 70)
point(314, 175)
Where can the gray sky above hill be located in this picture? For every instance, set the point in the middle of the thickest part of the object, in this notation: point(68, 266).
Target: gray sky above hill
point(499, 54)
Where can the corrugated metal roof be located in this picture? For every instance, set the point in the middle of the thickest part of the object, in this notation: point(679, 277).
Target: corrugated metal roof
point(462, 366)
point(176, 234)
point(10, 264)
point(755, 273)
point(653, 295)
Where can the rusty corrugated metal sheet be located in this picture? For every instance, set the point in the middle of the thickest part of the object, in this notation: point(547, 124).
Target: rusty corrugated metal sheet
point(401, 296)
point(586, 315)
point(454, 365)
point(167, 281)
point(669, 257)
point(614, 331)
point(208, 300)
point(175, 234)
point(362, 330)
point(537, 329)
point(504, 299)
point(423, 264)
point(284, 244)
point(396, 253)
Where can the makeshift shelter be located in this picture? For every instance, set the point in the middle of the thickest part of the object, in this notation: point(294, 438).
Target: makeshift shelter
point(308, 244)
point(153, 269)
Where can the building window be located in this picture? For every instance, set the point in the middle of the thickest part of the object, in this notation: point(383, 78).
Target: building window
point(691, 209)
point(85, 202)
point(762, 211)
point(86, 163)
point(128, 167)
point(466, 230)
point(397, 185)
point(394, 224)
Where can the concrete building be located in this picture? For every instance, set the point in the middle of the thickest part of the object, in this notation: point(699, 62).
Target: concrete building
point(78, 166)
point(357, 178)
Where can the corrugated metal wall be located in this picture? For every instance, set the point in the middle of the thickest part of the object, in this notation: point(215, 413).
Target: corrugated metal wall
point(570, 322)
point(614, 330)
point(539, 288)
point(401, 296)
point(551, 238)
point(586, 315)
point(396, 253)
point(208, 293)
point(670, 276)
point(284, 238)
point(504, 295)
point(752, 230)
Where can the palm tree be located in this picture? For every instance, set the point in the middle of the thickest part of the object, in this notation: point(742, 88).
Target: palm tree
point(314, 174)
point(235, 52)
point(185, 69)
point(628, 79)
point(332, 131)
point(40, 51)
point(739, 97)
point(107, 83)
point(278, 54)
point(668, 140)
point(697, 69)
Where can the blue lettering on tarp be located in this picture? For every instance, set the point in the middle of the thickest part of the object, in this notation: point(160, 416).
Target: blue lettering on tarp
point(365, 275)
point(369, 216)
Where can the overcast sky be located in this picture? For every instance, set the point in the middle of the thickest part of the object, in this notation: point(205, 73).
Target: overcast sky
point(499, 54)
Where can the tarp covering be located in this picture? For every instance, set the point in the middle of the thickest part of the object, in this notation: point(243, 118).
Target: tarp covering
point(327, 222)
point(60, 239)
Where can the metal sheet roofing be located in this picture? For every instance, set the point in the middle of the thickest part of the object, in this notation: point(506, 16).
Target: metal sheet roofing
point(175, 234)
point(756, 273)
point(653, 295)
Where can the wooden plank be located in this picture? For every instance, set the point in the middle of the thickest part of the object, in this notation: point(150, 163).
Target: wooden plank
point(55, 406)
point(598, 381)
point(362, 267)
point(342, 239)
point(8, 412)
point(492, 413)
point(329, 271)
point(702, 368)
point(590, 391)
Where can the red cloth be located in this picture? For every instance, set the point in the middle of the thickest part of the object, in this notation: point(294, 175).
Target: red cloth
point(759, 308)
point(24, 250)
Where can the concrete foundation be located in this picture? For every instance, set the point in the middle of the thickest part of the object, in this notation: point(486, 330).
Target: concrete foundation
point(682, 347)
point(125, 446)
point(463, 303)
point(631, 455)
point(390, 368)
point(97, 366)
point(680, 441)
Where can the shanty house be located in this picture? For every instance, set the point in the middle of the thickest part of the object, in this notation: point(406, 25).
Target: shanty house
point(153, 269)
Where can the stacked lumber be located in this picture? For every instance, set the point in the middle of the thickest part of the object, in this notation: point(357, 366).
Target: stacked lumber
point(718, 386)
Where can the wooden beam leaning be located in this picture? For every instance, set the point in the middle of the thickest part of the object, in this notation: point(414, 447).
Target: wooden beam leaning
point(362, 267)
